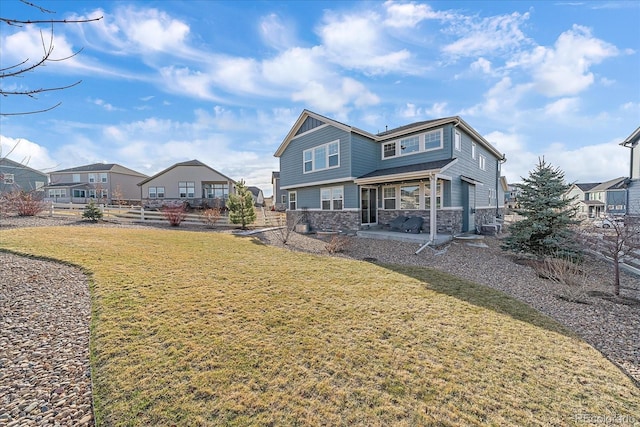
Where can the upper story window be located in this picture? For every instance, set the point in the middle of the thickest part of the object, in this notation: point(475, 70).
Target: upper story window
point(103, 177)
point(457, 141)
point(322, 157)
point(8, 178)
point(482, 162)
point(187, 188)
point(76, 177)
point(414, 144)
point(473, 150)
point(92, 177)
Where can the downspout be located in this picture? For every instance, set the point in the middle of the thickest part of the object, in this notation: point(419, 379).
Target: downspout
point(433, 220)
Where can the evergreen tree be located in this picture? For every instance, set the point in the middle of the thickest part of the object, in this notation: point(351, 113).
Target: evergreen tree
point(92, 212)
point(241, 209)
point(548, 216)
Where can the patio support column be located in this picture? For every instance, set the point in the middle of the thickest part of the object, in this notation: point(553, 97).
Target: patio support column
point(433, 183)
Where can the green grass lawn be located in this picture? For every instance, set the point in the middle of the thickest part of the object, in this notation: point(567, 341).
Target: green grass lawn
point(193, 328)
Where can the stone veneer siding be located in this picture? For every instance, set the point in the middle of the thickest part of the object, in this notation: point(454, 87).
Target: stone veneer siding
point(326, 220)
point(449, 221)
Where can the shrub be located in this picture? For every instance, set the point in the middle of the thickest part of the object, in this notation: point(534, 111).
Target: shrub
point(241, 210)
point(211, 216)
point(174, 214)
point(25, 203)
point(571, 276)
point(338, 243)
point(92, 212)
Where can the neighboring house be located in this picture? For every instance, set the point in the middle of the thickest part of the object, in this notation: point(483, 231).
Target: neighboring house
point(594, 200)
point(633, 190)
point(16, 176)
point(279, 196)
point(106, 182)
point(191, 182)
point(511, 196)
point(258, 197)
point(342, 177)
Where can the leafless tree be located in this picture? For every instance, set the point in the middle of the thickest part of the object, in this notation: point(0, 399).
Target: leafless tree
point(28, 65)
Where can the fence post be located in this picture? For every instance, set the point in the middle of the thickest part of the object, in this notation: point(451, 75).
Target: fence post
point(51, 209)
point(142, 213)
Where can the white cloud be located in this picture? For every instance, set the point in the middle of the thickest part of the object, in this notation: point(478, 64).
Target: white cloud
point(276, 33)
point(187, 82)
point(357, 42)
point(335, 98)
point(481, 64)
point(562, 107)
point(487, 36)
point(26, 152)
point(409, 15)
point(565, 68)
point(412, 112)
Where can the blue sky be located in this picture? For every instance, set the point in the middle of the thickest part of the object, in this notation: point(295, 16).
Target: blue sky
point(223, 82)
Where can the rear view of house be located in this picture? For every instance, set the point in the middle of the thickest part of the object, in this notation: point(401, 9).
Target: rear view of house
point(16, 176)
point(191, 182)
point(107, 182)
point(341, 177)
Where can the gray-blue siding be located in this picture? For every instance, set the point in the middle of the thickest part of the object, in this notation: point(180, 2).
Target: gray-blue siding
point(24, 178)
point(291, 161)
point(309, 197)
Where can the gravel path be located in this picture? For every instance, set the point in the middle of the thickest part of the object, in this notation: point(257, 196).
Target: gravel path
point(45, 311)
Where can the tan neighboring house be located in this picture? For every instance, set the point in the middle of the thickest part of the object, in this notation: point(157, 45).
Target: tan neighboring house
point(191, 183)
point(108, 183)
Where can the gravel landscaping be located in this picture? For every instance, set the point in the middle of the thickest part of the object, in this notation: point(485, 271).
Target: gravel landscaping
point(45, 311)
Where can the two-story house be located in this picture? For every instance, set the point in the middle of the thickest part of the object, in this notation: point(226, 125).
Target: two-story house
point(633, 190)
point(106, 182)
point(342, 177)
point(191, 182)
point(16, 176)
point(594, 200)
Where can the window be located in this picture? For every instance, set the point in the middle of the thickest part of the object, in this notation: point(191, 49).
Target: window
point(283, 199)
point(79, 193)
point(388, 150)
point(331, 198)
point(389, 197)
point(410, 145)
point(92, 177)
point(160, 192)
point(492, 196)
point(427, 195)
point(409, 197)
point(76, 177)
point(433, 140)
point(8, 178)
point(482, 162)
point(216, 191)
point(39, 185)
point(103, 177)
point(473, 150)
point(187, 189)
point(292, 200)
point(325, 156)
point(92, 193)
point(58, 192)
point(457, 141)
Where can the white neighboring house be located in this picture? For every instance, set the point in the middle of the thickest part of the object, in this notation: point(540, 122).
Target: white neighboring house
point(633, 190)
point(191, 183)
point(258, 196)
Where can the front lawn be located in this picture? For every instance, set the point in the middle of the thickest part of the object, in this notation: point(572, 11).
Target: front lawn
point(196, 328)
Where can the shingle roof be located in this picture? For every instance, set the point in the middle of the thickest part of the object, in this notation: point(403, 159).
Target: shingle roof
point(90, 168)
point(407, 127)
point(587, 186)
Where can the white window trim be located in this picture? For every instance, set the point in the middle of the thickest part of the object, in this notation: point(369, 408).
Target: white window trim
point(92, 178)
point(75, 177)
point(482, 162)
point(295, 200)
point(394, 198)
point(9, 178)
point(473, 150)
point(422, 147)
point(313, 157)
point(332, 198)
point(457, 141)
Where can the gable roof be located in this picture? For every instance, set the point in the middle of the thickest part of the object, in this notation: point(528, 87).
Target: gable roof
point(187, 163)
point(12, 164)
point(102, 167)
point(387, 134)
point(586, 186)
point(255, 191)
point(612, 184)
point(632, 140)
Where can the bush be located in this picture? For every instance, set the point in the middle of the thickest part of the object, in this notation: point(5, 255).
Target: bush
point(338, 243)
point(174, 214)
point(570, 275)
point(24, 203)
point(211, 216)
point(92, 212)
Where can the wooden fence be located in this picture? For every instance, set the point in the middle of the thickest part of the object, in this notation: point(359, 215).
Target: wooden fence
point(264, 217)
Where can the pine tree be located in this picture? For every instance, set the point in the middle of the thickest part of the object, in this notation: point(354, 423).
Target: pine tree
point(92, 212)
point(241, 209)
point(548, 216)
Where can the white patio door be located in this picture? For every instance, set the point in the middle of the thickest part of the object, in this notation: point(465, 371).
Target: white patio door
point(369, 205)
